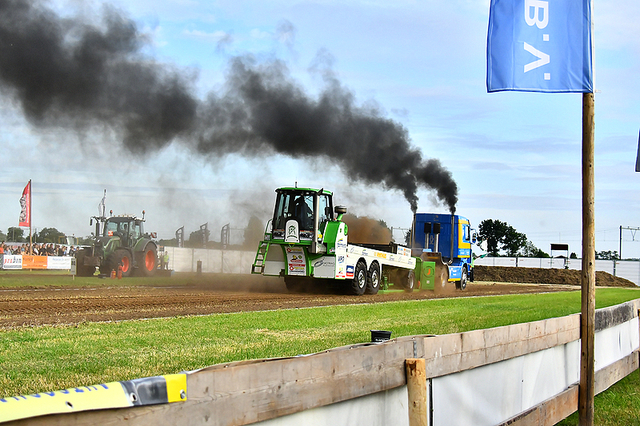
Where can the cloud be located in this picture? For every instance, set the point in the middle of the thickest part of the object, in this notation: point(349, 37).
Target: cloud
point(259, 34)
point(211, 37)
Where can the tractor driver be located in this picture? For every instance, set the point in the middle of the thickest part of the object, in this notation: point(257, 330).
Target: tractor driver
point(124, 234)
point(303, 212)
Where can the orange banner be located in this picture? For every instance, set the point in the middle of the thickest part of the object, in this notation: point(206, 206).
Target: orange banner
point(34, 262)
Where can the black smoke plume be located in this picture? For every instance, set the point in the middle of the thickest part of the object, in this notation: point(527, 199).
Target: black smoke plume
point(67, 72)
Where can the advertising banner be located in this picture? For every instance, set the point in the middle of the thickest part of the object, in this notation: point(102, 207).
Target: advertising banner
point(34, 262)
point(59, 262)
point(11, 261)
point(539, 46)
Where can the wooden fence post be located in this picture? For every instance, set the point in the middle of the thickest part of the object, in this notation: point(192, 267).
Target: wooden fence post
point(417, 389)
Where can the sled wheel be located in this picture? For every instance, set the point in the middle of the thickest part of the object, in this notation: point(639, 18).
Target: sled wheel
point(373, 282)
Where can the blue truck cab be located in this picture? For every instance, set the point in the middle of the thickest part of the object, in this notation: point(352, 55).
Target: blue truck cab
point(452, 237)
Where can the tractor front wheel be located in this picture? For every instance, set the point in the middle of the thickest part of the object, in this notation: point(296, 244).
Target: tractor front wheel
point(148, 261)
point(122, 258)
point(464, 276)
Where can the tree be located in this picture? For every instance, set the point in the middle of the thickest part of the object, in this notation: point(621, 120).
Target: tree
point(48, 235)
point(501, 236)
point(3, 236)
point(15, 234)
point(513, 241)
point(607, 255)
point(85, 241)
point(492, 231)
point(195, 240)
point(530, 250)
point(168, 243)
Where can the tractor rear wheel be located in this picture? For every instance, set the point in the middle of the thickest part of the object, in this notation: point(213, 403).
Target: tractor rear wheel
point(359, 281)
point(147, 261)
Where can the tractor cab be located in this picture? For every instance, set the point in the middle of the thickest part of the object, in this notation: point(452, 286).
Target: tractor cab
point(128, 228)
point(300, 215)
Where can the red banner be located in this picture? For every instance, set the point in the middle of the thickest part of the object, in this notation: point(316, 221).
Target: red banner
point(25, 206)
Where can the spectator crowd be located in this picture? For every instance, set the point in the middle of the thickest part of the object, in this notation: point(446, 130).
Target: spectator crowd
point(39, 249)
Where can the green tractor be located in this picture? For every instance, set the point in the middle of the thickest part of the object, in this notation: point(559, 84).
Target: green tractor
point(120, 245)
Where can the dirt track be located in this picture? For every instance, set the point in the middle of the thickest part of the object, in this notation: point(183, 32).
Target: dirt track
point(199, 296)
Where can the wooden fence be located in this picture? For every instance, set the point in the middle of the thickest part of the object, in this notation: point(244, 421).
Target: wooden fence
point(522, 374)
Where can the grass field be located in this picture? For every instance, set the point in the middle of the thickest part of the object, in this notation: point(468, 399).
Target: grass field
point(56, 357)
point(48, 279)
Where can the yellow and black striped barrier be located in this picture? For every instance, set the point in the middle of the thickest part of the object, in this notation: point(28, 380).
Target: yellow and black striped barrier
point(130, 393)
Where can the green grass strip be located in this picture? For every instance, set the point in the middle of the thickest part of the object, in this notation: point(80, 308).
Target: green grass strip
point(50, 358)
point(61, 279)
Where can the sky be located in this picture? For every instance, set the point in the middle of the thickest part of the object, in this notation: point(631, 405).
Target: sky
point(415, 69)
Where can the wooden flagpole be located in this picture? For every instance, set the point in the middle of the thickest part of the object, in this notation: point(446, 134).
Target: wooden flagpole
point(30, 237)
point(588, 279)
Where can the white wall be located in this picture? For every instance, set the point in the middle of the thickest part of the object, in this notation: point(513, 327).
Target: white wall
point(239, 262)
point(213, 261)
point(628, 269)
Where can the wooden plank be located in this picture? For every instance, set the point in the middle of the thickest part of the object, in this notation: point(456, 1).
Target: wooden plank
point(615, 315)
point(611, 374)
point(417, 392)
point(248, 393)
point(549, 412)
point(452, 353)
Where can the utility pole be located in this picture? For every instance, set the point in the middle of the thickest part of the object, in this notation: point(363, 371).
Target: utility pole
point(633, 230)
point(586, 390)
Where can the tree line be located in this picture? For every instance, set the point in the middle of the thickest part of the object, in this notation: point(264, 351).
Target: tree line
point(46, 235)
point(502, 239)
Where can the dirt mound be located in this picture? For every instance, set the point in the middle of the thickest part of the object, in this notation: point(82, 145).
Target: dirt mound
point(510, 274)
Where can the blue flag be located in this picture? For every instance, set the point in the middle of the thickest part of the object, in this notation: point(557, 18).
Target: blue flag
point(539, 46)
